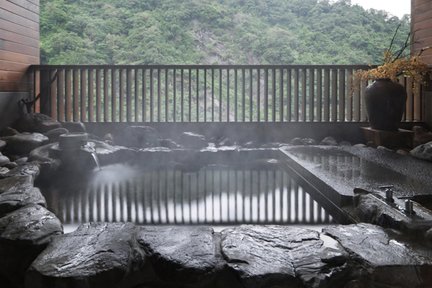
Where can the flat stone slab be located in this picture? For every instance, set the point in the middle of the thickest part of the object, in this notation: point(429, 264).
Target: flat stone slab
point(263, 256)
point(387, 257)
point(24, 233)
point(95, 255)
point(186, 254)
point(17, 192)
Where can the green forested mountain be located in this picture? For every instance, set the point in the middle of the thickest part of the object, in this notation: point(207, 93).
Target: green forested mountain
point(214, 32)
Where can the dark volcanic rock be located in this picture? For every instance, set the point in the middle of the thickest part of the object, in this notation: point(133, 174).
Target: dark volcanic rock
point(75, 127)
point(17, 192)
point(4, 160)
point(329, 141)
point(181, 255)
point(303, 141)
point(423, 151)
point(2, 144)
point(262, 256)
point(54, 135)
point(168, 143)
point(8, 131)
point(28, 169)
point(95, 255)
point(24, 233)
point(23, 143)
point(192, 140)
point(387, 259)
point(36, 122)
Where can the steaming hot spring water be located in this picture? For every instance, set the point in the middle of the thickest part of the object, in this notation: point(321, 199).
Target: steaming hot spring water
point(216, 189)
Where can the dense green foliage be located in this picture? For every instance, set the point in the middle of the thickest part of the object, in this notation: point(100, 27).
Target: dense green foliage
point(214, 32)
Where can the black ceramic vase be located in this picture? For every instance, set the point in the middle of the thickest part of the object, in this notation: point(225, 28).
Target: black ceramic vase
point(385, 104)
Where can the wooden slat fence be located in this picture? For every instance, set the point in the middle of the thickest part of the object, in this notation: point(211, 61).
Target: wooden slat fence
point(207, 93)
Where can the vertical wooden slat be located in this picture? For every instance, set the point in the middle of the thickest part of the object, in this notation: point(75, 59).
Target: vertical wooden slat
point(53, 93)
point(312, 115)
point(274, 96)
point(243, 95)
point(281, 100)
point(91, 95)
point(83, 112)
point(166, 95)
point(341, 95)
point(75, 94)
point(182, 95)
point(190, 96)
point(251, 95)
point(151, 94)
point(235, 95)
point(296, 95)
point(326, 95)
point(60, 94)
point(136, 95)
point(220, 95)
point(304, 95)
point(205, 95)
point(144, 95)
point(98, 96)
point(266, 91)
point(212, 95)
point(106, 95)
point(334, 91)
point(363, 111)
point(128, 95)
point(410, 100)
point(349, 96)
point(319, 95)
point(159, 95)
point(289, 95)
point(356, 100)
point(174, 95)
point(197, 95)
point(228, 94)
point(114, 94)
point(258, 95)
point(417, 102)
point(68, 92)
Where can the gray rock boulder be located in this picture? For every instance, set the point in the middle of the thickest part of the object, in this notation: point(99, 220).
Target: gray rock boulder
point(386, 258)
point(28, 169)
point(54, 135)
point(3, 160)
point(329, 141)
point(17, 192)
point(192, 140)
point(303, 141)
point(186, 254)
point(23, 143)
point(8, 131)
point(36, 122)
point(24, 233)
point(261, 255)
point(75, 127)
point(2, 144)
point(423, 151)
point(95, 255)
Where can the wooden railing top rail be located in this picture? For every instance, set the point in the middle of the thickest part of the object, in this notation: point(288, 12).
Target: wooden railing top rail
point(198, 66)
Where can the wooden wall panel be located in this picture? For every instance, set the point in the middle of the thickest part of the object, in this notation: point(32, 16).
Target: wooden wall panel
point(19, 43)
point(421, 27)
